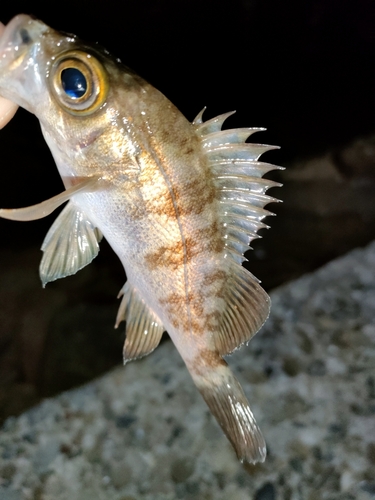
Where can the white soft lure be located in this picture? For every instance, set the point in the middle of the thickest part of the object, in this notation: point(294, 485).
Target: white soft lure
point(178, 202)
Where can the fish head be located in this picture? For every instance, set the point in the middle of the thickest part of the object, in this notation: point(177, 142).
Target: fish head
point(46, 72)
point(72, 88)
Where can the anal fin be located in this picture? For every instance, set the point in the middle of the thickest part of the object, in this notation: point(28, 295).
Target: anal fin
point(143, 328)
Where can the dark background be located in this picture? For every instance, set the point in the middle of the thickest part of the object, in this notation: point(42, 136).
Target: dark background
point(304, 70)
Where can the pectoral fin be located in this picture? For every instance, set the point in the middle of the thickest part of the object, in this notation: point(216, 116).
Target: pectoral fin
point(71, 243)
point(46, 207)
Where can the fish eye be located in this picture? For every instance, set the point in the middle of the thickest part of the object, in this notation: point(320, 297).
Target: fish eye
point(79, 82)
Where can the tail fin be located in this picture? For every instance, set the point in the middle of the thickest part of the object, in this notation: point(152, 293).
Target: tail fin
point(227, 402)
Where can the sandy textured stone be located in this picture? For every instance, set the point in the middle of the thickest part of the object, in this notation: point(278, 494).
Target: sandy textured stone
point(143, 432)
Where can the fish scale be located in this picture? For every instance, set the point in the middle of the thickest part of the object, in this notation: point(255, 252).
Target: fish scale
point(178, 202)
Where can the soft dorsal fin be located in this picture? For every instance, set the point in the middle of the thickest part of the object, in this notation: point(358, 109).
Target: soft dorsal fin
point(71, 243)
point(247, 307)
point(143, 328)
point(237, 175)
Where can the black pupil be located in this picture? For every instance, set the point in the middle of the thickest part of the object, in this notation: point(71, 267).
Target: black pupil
point(74, 83)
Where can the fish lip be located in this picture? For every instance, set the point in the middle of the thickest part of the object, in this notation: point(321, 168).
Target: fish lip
point(10, 29)
point(20, 47)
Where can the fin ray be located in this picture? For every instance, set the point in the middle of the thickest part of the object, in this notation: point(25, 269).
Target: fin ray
point(241, 188)
point(247, 308)
point(243, 183)
point(71, 243)
point(210, 126)
point(230, 136)
point(238, 177)
point(243, 151)
point(143, 328)
point(244, 167)
point(226, 400)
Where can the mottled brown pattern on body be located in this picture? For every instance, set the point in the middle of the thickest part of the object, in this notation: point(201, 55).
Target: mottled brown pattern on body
point(177, 306)
point(192, 247)
point(171, 256)
point(209, 237)
point(213, 277)
point(215, 283)
point(193, 192)
point(194, 327)
point(195, 300)
point(183, 141)
point(212, 321)
point(186, 324)
point(206, 232)
point(175, 322)
point(191, 199)
point(161, 206)
point(207, 359)
point(173, 299)
point(200, 194)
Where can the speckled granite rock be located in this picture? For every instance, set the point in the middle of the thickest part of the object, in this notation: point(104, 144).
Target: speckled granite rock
point(143, 432)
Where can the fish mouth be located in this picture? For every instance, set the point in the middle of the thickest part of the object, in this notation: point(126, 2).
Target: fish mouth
point(17, 37)
point(20, 43)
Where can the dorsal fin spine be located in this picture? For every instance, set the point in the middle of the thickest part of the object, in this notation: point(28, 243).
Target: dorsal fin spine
point(210, 126)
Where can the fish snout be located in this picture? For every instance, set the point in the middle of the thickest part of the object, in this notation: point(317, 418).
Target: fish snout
point(18, 35)
point(19, 54)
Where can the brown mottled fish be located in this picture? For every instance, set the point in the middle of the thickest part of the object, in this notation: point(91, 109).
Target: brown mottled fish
point(178, 202)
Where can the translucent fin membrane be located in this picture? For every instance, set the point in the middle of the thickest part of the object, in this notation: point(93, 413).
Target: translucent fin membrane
point(229, 405)
point(230, 136)
point(238, 177)
point(246, 309)
point(210, 126)
point(71, 243)
point(143, 328)
point(235, 152)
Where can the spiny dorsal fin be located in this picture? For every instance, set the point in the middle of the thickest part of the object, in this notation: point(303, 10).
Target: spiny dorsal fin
point(143, 328)
point(238, 177)
point(71, 243)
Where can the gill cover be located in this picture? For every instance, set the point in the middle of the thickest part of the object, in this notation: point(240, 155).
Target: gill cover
point(78, 82)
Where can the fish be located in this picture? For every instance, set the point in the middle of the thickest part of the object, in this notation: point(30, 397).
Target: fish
point(179, 203)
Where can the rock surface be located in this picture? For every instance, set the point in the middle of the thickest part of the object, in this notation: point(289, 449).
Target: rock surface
point(143, 432)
